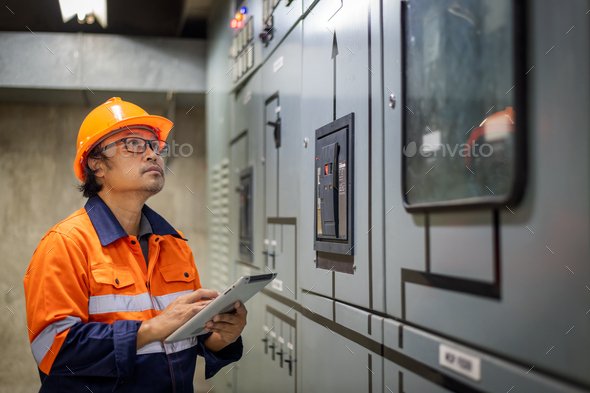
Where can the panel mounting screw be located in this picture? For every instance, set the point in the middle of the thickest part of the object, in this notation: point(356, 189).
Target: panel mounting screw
point(392, 101)
point(305, 142)
point(354, 267)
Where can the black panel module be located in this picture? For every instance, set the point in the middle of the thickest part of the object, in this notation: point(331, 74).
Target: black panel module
point(334, 169)
point(246, 229)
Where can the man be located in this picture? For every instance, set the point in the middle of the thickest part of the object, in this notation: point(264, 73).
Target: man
point(108, 284)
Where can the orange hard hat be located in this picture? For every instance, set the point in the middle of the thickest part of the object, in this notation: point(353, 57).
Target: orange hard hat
point(113, 116)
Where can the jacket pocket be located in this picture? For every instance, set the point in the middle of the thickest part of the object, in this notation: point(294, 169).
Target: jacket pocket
point(177, 279)
point(117, 277)
point(114, 292)
point(178, 272)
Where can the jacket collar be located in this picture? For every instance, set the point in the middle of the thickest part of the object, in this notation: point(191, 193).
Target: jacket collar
point(109, 229)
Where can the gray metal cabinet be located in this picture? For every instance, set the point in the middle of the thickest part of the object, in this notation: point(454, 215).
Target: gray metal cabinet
point(473, 233)
point(404, 232)
point(269, 363)
point(353, 74)
point(281, 256)
point(317, 110)
point(281, 85)
point(245, 149)
point(331, 362)
point(526, 265)
point(250, 363)
point(426, 361)
point(282, 143)
point(503, 290)
point(337, 81)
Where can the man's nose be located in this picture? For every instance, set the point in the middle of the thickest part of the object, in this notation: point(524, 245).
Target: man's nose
point(150, 152)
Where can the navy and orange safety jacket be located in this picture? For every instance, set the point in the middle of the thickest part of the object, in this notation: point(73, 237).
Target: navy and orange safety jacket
point(87, 292)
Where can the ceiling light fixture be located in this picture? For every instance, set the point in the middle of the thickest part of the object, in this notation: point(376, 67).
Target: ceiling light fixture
point(87, 11)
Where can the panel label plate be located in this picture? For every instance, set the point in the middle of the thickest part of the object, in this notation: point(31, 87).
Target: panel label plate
point(278, 64)
point(458, 361)
point(277, 284)
point(247, 97)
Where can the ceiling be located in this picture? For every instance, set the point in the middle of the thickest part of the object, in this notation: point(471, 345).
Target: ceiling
point(170, 18)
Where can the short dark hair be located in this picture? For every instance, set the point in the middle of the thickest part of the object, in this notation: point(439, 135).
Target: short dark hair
point(91, 187)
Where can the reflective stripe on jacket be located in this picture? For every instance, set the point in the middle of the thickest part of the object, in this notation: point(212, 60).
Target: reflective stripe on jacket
point(87, 291)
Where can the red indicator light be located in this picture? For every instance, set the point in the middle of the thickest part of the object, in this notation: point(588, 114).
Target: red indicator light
point(233, 23)
point(326, 169)
point(239, 24)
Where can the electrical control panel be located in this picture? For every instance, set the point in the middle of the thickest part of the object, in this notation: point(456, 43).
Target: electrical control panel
point(334, 169)
point(391, 286)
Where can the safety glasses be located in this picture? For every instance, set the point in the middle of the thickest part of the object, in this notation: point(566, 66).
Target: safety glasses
point(138, 145)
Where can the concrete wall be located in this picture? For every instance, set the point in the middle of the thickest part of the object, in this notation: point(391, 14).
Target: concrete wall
point(101, 62)
point(38, 189)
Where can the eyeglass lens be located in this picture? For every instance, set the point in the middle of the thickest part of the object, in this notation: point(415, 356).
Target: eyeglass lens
point(137, 145)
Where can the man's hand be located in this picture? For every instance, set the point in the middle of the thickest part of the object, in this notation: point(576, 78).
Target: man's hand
point(226, 328)
point(176, 314)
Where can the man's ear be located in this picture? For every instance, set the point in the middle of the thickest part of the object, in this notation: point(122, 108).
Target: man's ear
point(96, 165)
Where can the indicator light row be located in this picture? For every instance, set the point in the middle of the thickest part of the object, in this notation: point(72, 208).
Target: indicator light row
point(237, 22)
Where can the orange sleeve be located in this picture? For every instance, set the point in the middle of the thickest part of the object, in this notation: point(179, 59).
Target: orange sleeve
point(56, 294)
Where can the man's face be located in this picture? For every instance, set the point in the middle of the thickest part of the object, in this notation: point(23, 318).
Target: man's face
point(126, 171)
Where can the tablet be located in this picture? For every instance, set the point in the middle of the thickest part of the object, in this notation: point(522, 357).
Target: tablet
point(242, 290)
